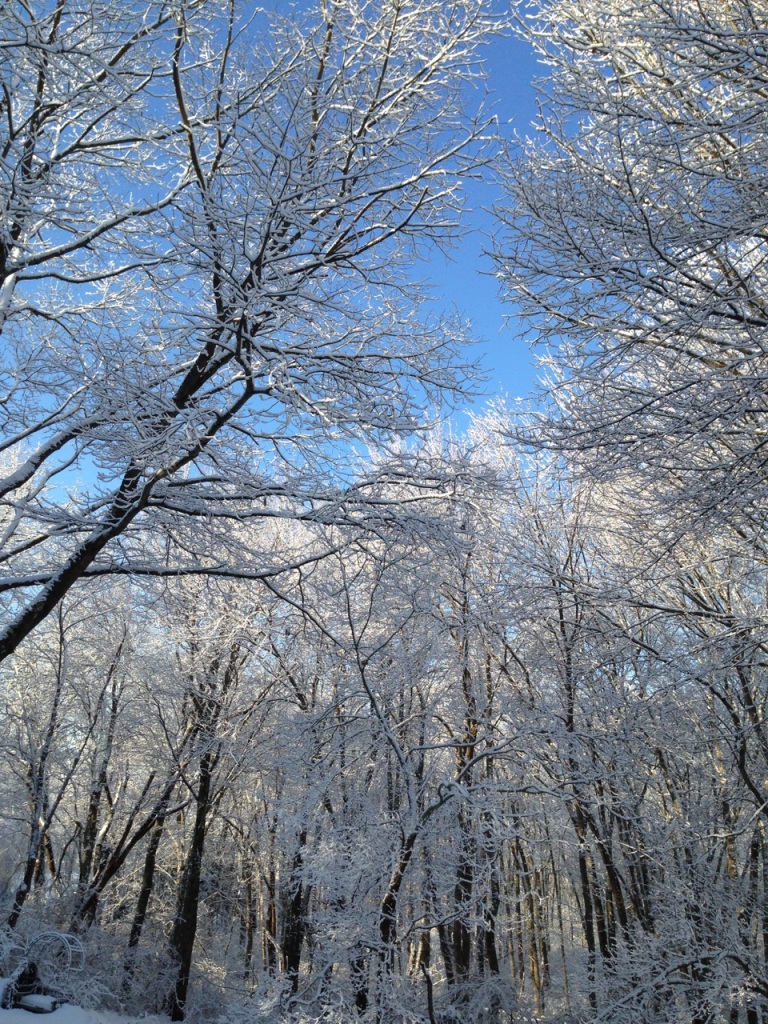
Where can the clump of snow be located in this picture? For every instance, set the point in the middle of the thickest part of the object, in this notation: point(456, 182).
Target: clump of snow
point(37, 1003)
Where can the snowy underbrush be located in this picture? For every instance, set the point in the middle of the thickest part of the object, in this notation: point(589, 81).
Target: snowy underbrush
point(102, 978)
point(404, 1002)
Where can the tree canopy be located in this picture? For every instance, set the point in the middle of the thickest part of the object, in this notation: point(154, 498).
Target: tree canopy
point(637, 243)
point(209, 220)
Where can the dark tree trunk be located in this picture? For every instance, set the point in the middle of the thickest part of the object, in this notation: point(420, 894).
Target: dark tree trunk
point(22, 891)
point(296, 917)
point(388, 909)
point(147, 883)
point(588, 909)
point(359, 971)
point(142, 903)
point(184, 929)
point(248, 917)
point(460, 934)
point(269, 925)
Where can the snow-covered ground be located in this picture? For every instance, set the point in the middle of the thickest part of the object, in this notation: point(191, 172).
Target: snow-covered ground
point(68, 1014)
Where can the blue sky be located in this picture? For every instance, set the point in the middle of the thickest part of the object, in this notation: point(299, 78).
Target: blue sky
point(465, 280)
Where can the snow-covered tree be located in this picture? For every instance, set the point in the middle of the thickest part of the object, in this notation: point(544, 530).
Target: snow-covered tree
point(209, 226)
point(636, 244)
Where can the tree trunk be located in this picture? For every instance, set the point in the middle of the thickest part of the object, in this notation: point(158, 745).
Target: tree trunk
point(388, 909)
point(295, 922)
point(147, 883)
point(184, 929)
